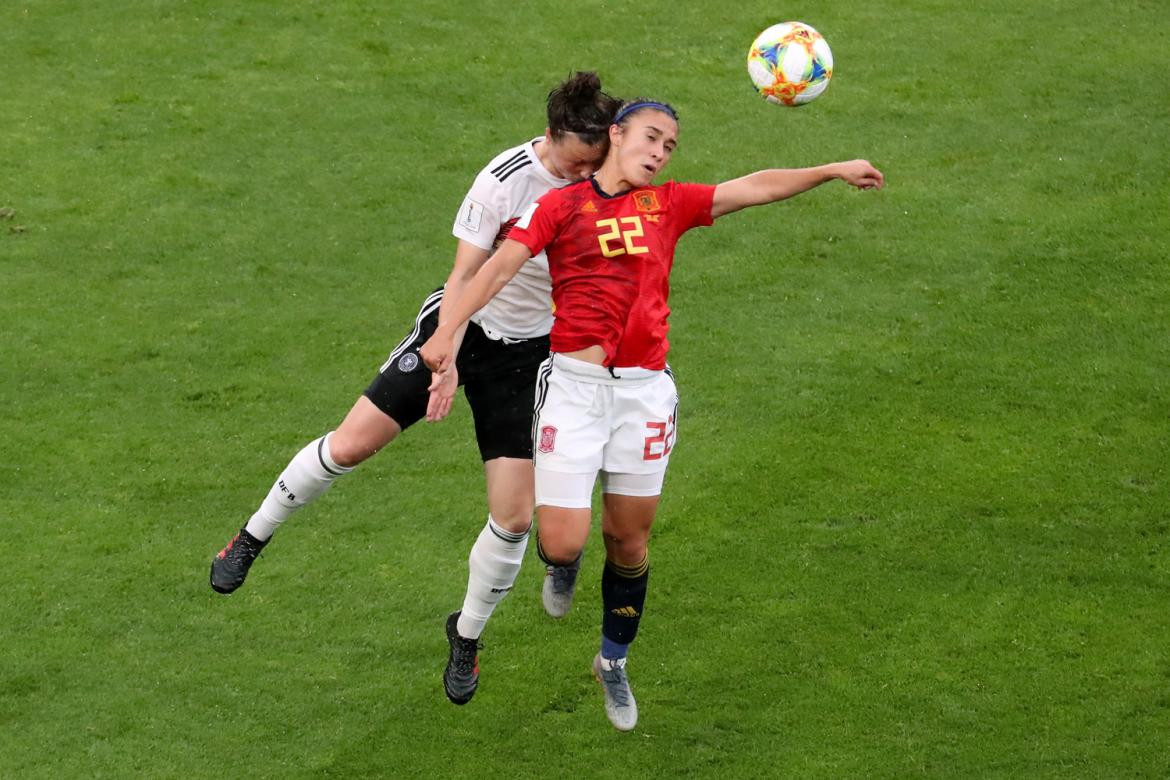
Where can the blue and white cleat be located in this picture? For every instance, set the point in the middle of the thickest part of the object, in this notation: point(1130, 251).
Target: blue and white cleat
point(620, 707)
point(560, 582)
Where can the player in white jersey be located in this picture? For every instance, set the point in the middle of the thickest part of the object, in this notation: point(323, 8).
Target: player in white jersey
point(501, 349)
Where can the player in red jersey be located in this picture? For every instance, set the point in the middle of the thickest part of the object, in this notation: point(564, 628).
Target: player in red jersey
point(605, 400)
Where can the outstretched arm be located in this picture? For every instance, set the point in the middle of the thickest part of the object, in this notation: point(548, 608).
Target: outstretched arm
point(762, 187)
point(439, 351)
point(469, 258)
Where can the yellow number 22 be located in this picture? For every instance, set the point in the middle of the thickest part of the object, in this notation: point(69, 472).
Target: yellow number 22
point(627, 245)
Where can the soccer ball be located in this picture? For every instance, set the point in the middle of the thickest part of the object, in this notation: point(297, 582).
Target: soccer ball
point(790, 63)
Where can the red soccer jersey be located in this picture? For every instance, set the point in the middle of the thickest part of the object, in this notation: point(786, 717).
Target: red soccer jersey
point(610, 260)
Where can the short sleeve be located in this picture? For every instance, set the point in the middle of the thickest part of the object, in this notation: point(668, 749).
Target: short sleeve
point(692, 204)
point(538, 225)
point(479, 218)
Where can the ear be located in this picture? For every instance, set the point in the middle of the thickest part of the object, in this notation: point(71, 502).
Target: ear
point(548, 134)
point(615, 135)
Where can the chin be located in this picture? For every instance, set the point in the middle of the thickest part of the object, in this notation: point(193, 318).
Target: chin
point(644, 179)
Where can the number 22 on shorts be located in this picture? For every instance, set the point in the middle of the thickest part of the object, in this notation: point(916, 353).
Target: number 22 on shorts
point(660, 441)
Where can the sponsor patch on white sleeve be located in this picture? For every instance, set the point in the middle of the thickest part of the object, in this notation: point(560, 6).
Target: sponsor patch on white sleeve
point(471, 215)
point(526, 217)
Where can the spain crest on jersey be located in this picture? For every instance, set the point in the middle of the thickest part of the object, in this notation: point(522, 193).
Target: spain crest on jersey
point(646, 200)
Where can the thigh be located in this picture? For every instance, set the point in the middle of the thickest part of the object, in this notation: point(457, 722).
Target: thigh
point(621, 484)
point(570, 426)
point(510, 492)
point(645, 419)
point(564, 489)
point(500, 382)
point(400, 388)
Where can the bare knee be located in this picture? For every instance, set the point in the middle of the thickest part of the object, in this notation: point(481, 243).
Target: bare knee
point(626, 550)
point(364, 431)
point(563, 533)
point(511, 504)
point(513, 517)
point(348, 452)
point(559, 551)
point(510, 492)
point(625, 526)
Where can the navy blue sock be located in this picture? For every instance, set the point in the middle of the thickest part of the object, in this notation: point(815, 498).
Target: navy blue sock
point(623, 595)
point(611, 650)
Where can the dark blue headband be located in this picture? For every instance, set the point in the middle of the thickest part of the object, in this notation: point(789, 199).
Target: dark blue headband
point(644, 104)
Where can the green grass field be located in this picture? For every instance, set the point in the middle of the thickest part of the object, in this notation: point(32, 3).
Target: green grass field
point(918, 521)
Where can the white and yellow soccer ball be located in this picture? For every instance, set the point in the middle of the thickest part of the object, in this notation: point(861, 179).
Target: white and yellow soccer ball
point(790, 63)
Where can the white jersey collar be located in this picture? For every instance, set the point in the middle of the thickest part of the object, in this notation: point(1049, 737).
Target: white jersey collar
point(540, 170)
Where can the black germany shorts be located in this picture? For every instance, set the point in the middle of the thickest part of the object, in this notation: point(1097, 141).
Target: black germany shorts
point(498, 378)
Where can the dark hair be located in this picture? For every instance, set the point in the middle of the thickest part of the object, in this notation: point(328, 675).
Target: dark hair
point(579, 106)
point(631, 107)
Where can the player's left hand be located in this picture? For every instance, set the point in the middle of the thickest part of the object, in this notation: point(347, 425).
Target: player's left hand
point(442, 390)
point(861, 175)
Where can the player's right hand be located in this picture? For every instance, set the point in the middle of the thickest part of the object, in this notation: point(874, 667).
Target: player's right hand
point(436, 353)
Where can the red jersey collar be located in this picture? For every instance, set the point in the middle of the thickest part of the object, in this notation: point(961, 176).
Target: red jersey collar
point(603, 193)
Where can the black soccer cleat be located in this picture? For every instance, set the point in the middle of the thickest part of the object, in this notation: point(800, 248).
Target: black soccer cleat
point(461, 677)
point(230, 566)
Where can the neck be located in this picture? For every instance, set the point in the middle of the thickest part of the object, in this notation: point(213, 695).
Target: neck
point(541, 148)
point(611, 180)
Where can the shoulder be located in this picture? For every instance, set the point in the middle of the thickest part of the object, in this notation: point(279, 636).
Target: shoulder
point(570, 193)
point(685, 191)
point(508, 163)
point(659, 193)
point(495, 183)
point(551, 210)
point(659, 197)
point(685, 186)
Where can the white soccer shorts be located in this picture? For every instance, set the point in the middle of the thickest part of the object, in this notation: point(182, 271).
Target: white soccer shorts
point(589, 420)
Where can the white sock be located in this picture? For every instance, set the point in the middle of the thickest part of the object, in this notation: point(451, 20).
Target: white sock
point(494, 563)
point(307, 475)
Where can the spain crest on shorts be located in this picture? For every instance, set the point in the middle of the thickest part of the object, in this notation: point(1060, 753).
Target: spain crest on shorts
point(646, 200)
point(548, 439)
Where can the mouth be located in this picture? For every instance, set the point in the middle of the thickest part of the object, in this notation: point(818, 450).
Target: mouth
point(650, 169)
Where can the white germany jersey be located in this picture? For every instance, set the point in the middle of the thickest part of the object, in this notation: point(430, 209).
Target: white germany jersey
point(500, 194)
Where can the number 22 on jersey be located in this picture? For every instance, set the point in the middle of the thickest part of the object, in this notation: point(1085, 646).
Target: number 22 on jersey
point(621, 232)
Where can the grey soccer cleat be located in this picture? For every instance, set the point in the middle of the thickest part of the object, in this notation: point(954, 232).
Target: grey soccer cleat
point(560, 582)
point(620, 707)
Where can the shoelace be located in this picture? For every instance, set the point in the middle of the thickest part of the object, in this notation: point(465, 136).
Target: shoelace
point(615, 683)
point(242, 548)
point(564, 577)
point(465, 650)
